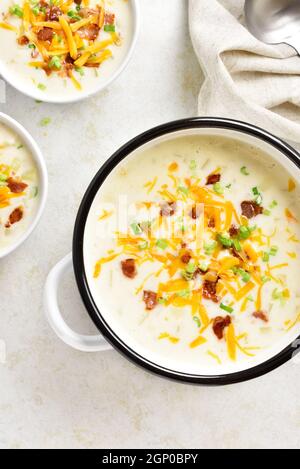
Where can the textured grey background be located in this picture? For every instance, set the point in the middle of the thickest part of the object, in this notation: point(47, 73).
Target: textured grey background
point(52, 396)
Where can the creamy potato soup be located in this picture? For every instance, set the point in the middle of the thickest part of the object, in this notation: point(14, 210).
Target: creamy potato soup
point(196, 256)
point(18, 188)
point(59, 48)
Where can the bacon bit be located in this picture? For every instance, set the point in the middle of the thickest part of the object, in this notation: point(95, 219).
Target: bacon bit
point(16, 186)
point(150, 299)
point(53, 13)
point(289, 215)
point(15, 216)
point(86, 12)
point(168, 209)
point(292, 185)
point(260, 315)
point(45, 34)
point(233, 231)
point(219, 325)
point(89, 32)
point(213, 179)
point(23, 41)
point(250, 209)
point(109, 18)
point(129, 268)
point(210, 290)
point(186, 257)
point(196, 212)
point(211, 223)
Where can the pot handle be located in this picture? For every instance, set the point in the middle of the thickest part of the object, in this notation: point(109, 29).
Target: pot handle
point(84, 343)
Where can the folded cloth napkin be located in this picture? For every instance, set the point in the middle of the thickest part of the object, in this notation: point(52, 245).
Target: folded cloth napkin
point(244, 78)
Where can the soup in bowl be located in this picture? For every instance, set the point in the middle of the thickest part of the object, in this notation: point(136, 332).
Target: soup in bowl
point(190, 267)
point(23, 184)
point(64, 51)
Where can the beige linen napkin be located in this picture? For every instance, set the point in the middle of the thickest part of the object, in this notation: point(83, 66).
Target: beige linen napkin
point(244, 78)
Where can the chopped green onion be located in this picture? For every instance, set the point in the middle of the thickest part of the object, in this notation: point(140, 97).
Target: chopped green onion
point(244, 232)
point(74, 15)
point(237, 245)
point(80, 70)
point(183, 189)
point(162, 243)
point(34, 192)
point(258, 196)
point(143, 246)
point(225, 240)
point(273, 204)
point(20, 146)
point(266, 257)
point(41, 87)
point(35, 10)
point(245, 275)
point(273, 250)
point(204, 266)
point(45, 121)
point(210, 247)
point(191, 267)
point(55, 62)
point(267, 212)
point(265, 279)
point(193, 165)
point(31, 46)
point(226, 308)
point(276, 295)
point(16, 10)
point(162, 301)
point(228, 186)
point(250, 298)
point(3, 177)
point(110, 28)
point(244, 171)
point(217, 187)
point(197, 321)
point(136, 228)
point(183, 293)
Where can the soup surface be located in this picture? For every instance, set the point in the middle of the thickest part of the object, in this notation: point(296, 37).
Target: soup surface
point(196, 256)
point(63, 47)
point(18, 188)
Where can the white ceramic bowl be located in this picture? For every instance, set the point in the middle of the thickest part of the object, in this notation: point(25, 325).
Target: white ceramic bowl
point(61, 99)
point(42, 173)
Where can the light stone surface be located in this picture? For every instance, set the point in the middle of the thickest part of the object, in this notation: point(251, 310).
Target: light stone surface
point(54, 397)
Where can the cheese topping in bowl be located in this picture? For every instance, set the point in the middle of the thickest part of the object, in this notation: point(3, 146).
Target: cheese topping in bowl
point(19, 188)
point(62, 47)
point(200, 265)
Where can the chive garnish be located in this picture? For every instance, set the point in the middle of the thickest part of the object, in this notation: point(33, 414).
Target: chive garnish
point(16, 10)
point(197, 321)
point(162, 243)
point(266, 257)
point(225, 240)
point(110, 28)
point(218, 188)
point(45, 121)
point(210, 247)
point(226, 308)
point(193, 165)
point(136, 228)
point(244, 171)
